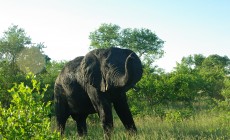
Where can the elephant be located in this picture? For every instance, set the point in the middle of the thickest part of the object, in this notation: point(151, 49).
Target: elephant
point(93, 84)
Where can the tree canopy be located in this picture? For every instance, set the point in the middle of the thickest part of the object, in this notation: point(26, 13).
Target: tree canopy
point(143, 41)
point(16, 47)
point(18, 56)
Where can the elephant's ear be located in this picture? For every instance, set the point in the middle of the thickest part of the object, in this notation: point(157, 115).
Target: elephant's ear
point(91, 72)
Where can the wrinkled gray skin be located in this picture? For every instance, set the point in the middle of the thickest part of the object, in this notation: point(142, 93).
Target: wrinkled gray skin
point(91, 84)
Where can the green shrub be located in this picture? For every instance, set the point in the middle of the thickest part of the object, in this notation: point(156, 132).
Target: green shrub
point(222, 105)
point(178, 115)
point(159, 111)
point(27, 116)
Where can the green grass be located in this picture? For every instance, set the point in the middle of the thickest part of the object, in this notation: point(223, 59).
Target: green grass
point(202, 126)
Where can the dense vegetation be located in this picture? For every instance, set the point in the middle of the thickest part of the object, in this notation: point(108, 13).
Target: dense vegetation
point(190, 102)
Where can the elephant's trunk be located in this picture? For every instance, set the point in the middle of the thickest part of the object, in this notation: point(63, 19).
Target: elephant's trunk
point(126, 79)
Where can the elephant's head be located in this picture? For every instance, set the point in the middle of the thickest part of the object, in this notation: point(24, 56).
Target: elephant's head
point(111, 68)
point(124, 74)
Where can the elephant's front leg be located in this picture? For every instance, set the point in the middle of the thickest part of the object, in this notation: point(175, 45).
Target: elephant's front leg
point(102, 105)
point(122, 109)
point(105, 114)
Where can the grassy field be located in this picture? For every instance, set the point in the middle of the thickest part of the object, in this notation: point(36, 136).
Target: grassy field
point(200, 126)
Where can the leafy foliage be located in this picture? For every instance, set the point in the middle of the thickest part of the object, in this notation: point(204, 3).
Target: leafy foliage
point(213, 71)
point(48, 77)
point(27, 116)
point(142, 41)
point(18, 56)
point(13, 41)
point(226, 90)
point(178, 115)
point(106, 36)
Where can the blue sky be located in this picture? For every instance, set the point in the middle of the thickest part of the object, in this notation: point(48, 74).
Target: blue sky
point(186, 26)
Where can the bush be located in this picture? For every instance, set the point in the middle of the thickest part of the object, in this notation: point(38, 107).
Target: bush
point(27, 116)
point(178, 115)
point(222, 105)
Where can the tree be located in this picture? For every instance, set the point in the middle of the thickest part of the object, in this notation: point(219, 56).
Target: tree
point(142, 41)
point(198, 60)
point(213, 71)
point(18, 55)
point(106, 36)
point(226, 90)
point(13, 41)
point(217, 62)
point(184, 86)
point(192, 62)
point(210, 73)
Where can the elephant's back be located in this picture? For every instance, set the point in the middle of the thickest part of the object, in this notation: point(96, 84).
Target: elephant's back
point(67, 74)
point(74, 64)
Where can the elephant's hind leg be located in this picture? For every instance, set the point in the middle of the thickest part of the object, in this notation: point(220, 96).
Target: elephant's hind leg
point(61, 109)
point(81, 123)
point(61, 121)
